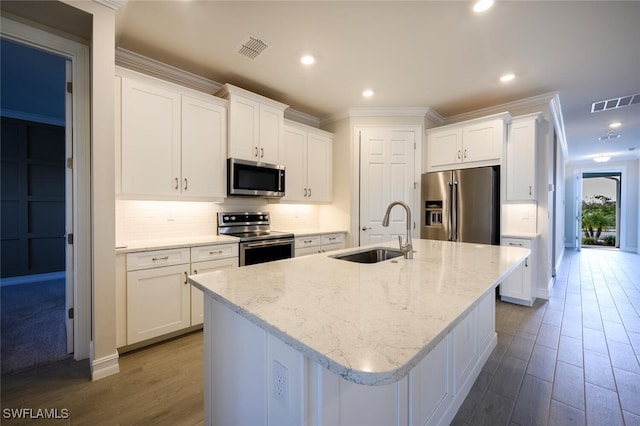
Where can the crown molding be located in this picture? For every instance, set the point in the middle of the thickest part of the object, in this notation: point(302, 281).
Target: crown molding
point(379, 112)
point(302, 117)
point(136, 62)
point(543, 99)
point(112, 4)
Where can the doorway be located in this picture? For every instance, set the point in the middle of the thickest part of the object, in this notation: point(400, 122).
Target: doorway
point(601, 193)
point(37, 287)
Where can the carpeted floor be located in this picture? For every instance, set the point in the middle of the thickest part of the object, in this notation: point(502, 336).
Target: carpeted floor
point(33, 330)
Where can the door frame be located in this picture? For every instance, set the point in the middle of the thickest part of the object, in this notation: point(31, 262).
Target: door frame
point(78, 56)
point(417, 165)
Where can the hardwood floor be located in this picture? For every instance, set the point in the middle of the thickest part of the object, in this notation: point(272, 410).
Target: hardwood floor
point(572, 360)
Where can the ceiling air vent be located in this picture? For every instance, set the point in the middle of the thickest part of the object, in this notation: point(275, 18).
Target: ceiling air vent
point(251, 47)
point(615, 103)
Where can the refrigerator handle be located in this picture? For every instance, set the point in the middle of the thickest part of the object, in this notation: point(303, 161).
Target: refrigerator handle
point(454, 211)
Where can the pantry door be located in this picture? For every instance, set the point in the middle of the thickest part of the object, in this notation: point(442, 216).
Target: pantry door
point(387, 173)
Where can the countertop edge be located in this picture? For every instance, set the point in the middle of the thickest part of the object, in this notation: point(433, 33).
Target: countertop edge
point(352, 375)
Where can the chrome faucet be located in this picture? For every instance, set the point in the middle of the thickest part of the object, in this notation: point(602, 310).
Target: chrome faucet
point(407, 246)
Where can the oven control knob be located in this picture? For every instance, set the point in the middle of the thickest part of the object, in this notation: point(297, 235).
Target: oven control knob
point(233, 218)
point(225, 218)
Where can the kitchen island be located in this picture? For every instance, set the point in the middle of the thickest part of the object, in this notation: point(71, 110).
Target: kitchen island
point(321, 341)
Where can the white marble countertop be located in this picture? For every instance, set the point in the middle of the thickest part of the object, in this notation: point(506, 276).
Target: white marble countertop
point(170, 243)
point(369, 323)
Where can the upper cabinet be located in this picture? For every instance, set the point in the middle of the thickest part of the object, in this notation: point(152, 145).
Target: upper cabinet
point(255, 125)
point(172, 141)
point(308, 163)
point(472, 143)
point(521, 158)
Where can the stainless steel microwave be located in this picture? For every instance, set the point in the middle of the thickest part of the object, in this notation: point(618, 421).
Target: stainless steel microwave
point(251, 178)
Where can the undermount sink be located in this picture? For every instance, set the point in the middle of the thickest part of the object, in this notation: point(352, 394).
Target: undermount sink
point(373, 255)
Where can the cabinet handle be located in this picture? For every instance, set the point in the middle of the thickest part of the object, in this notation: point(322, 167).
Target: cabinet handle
point(458, 154)
point(332, 238)
point(176, 183)
point(307, 241)
point(195, 272)
point(305, 192)
point(256, 151)
point(186, 184)
point(309, 192)
point(261, 152)
point(465, 153)
point(529, 189)
point(516, 244)
point(155, 259)
point(216, 252)
point(185, 278)
point(526, 262)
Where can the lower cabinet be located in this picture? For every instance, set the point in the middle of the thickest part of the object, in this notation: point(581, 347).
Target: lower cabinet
point(518, 287)
point(154, 294)
point(319, 243)
point(197, 297)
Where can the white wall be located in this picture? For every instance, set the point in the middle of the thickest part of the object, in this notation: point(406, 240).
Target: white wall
point(629, 235)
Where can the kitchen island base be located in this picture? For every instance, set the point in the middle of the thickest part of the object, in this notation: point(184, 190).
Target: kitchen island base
point(253, 377)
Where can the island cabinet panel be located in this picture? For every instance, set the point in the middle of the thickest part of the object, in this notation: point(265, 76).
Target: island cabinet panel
point(248, 366)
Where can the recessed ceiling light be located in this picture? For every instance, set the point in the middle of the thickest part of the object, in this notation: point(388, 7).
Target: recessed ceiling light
point(615, 125)
point(367, 93)
point(505, 78)
point(601, 159)
point(307, 59)
point(482, 5)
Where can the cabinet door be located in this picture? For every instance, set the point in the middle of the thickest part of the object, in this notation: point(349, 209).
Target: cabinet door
point(204, 148)
point(197, 296)
point(270, 134)
point(516, 288)
point(295, 142)
point(158, 302)
point(243, 128)
point(319, 168)
point(521, 161)
point(482, 141)
point(444, 147)
point(150, 139)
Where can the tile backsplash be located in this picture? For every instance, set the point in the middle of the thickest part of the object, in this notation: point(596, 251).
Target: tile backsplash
point(138, 220)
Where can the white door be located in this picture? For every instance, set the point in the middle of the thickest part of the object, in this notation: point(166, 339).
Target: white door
point(578, 209)
point(386, 174)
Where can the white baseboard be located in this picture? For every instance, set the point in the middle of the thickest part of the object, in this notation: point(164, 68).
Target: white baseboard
point(104, 367)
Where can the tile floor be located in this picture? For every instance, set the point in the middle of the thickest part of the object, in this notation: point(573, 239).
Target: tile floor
point(571, 360)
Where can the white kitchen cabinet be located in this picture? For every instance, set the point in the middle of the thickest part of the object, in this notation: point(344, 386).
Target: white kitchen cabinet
point(158, 294)
point(150, 152)
point(518, 287)
point(208, 259)
point(308, 163)
point(521, 158)
point(471, 143)
point(255, 125)
point(172, 141)
point(321, 243)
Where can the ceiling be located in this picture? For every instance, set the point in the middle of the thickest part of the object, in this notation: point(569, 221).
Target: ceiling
point(436, 54)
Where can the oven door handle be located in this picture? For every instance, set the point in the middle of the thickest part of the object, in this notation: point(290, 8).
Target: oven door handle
point(268, 243)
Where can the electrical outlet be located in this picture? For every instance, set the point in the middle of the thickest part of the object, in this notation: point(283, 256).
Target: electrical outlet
point(281, 383)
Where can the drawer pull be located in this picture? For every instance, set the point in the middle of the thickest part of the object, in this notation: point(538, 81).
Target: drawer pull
point(307, 241)
point(216, 252)
point(155, 259)
point(332, 238)
point(185, 278)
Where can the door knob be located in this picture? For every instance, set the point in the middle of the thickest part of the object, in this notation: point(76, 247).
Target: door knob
point(364, 228)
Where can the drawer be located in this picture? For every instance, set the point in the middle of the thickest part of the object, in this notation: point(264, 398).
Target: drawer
point(516, 242)
point(215, 251)
point(333, 239)
point(157, 258)
point(311, 241)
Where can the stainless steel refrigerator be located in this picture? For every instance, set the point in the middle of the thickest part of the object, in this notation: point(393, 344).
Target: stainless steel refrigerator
point(462, 205)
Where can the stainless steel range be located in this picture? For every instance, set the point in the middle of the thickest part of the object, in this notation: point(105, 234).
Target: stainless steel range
point(258, 243)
